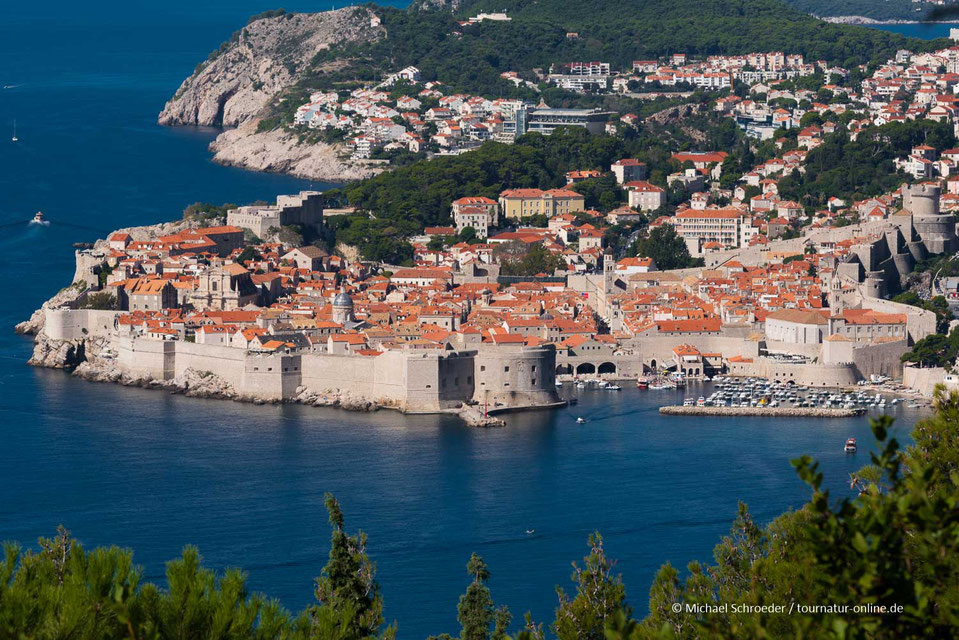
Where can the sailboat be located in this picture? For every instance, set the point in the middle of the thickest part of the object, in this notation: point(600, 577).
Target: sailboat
point(14, 139)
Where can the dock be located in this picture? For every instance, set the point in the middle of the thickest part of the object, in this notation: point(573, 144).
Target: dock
point(763, 412)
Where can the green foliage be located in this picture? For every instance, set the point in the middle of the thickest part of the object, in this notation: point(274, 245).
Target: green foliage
point(599, 594)
point(377, 239)
point(856, 169)
point(665, 247)
point(935, 350)
point(478, 616)
point(475, 608)
point(517, 260)
point(347, 591)
point(893, 545)
point(103, 301)
point(938, 305)
point(249, 253)
point(206, 212)
point(603, 193)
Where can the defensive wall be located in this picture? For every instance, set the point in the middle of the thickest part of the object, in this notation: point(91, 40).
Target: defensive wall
point(408, 380)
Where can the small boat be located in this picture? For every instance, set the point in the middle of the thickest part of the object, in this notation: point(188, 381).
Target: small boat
point(39, 219)
point(642, 383)
point(530, 532)
point(580, 385)
point(580, 420)
point(850, 446)
point(14, 138)
point(559, 384)
point(613, 387)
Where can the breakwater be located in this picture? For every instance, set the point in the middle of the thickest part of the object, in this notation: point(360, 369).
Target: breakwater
point(764, 412)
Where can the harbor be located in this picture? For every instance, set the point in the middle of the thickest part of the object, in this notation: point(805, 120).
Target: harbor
point(764, 411)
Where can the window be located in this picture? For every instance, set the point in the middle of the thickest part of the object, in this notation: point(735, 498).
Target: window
point(482, 367)
point(534, 382)
point(534, 368)
point(506, 369)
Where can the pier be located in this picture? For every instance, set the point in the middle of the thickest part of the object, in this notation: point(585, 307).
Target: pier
point(763, 412)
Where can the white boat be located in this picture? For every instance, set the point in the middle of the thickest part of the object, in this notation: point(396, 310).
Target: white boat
point(850, 446)
point(580, 385)
point(559, 384)
point(613, 387)
point(14, 138)
point(580, 420)
point(530, 532)
point(39, 219)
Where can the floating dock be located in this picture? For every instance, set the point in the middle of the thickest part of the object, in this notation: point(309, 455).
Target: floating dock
point(763, 412)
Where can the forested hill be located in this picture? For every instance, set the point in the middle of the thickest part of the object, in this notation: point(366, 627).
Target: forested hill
point(619, 31)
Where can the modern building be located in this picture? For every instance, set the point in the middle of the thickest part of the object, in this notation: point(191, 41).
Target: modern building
point(696, 227)
point(545, 120)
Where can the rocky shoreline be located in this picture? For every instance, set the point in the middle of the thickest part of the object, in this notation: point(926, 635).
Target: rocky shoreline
point(91, 359)
point(279, 151)
point(764, 412)
point(865, 20)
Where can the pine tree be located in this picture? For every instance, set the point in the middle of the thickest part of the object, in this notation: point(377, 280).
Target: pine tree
point(475, 611)
point(598, 595)
point(347, 591)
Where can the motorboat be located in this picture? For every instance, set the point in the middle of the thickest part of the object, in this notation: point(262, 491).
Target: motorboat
point(850, 446)
point(580, 420)
point(559, 384)
point(642, 383)
point(38, 218)
point(613, 387)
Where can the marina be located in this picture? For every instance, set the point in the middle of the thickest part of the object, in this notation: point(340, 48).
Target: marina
point(766, 411)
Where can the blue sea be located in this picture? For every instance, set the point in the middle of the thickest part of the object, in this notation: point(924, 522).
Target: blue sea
point(924, 30)
point(154, 472)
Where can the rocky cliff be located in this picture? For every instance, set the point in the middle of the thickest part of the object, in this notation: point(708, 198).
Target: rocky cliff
point(237, 84)
point(259, 61)
point(279, 151)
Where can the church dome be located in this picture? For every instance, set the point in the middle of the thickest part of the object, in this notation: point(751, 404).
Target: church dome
point(343, 299)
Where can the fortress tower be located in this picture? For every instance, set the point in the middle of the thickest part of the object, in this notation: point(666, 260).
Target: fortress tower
point(936, 230)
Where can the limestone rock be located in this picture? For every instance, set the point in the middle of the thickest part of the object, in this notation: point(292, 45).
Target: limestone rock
point(278, 151)
point(259, 61)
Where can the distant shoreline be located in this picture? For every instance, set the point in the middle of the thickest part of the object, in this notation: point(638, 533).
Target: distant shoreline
point(869, 22)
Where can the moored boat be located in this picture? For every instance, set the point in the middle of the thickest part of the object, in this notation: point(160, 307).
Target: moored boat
point(850, 446)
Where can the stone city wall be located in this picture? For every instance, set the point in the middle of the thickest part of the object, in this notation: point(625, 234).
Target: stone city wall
point(923, 380)
point(77, 324)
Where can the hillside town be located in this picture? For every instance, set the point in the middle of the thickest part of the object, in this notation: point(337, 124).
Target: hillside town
point(771, 285)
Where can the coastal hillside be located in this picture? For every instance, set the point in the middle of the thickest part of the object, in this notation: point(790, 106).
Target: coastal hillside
point(257, 79)
point(865, 10)
point(266, 56)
